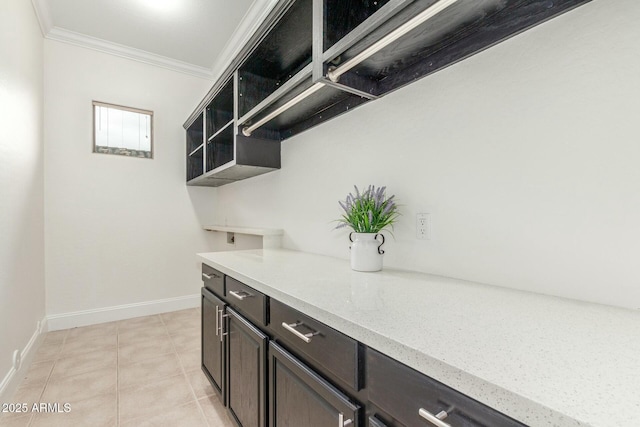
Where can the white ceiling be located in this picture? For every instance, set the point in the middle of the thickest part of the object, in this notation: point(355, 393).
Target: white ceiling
point(194, 36)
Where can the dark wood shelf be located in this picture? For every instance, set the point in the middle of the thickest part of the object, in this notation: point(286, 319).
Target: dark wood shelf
point(253, 156)
point(326, 103)
point(219, 112)
point(195, 164)
point(288, 78)
point(283, 52)
point(220, 148)
point(463, 29)
point(341, 17)
point(195, 134)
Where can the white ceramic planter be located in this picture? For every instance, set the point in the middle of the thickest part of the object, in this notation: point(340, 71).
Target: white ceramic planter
point(366, 251)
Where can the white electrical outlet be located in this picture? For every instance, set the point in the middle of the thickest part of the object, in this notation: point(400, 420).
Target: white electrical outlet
point(423, 226)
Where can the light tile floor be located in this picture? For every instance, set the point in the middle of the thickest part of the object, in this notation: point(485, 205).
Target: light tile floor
point(137, 372)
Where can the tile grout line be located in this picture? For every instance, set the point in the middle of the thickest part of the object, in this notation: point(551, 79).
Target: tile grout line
point(46, 383)
point(184, 373)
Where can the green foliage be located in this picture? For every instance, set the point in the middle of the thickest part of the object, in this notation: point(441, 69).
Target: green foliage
point(369, 212)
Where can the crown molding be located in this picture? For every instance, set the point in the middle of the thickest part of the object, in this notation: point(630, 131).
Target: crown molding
point(252, 20)
point(257, 13)
point(71, 37)
point(41, 7)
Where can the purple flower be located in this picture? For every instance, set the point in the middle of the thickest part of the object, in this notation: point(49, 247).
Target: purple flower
point(369, 211)
point(388, 208)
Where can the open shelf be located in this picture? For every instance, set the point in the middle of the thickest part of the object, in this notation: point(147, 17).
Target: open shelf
point(219, 112)
point(341, 17)
point(284, 51)
point(312, 60)
point(195, 134)
point(325, 103)
point(220, 148)
point(195, 164)
point(459, 31)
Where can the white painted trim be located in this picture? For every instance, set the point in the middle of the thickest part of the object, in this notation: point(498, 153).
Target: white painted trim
point(120, 312)
point(254, 17)
point(71, 37)
point(248, 25)
point(14, 377)
point(41, 7)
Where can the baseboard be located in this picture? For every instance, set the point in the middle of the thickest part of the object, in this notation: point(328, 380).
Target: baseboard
point(120, 312)
point(13, 378)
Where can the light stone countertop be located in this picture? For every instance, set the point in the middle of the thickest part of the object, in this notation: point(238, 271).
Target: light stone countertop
point(545, 361)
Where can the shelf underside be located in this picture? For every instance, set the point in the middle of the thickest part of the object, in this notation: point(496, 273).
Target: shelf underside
point(229, 175)
point(326, 103)
point(465, 28)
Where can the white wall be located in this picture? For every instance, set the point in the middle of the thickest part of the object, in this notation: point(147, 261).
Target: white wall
point(118, 230)
point(527, 156)
point(22, 290)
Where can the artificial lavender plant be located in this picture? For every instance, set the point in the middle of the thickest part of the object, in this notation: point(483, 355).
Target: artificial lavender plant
point(369, 212)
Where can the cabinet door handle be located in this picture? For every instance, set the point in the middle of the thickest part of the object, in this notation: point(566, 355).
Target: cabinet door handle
point(240, 294)
point(342, 422)
point(217, 321)
point(436, 420)
point(291, 327)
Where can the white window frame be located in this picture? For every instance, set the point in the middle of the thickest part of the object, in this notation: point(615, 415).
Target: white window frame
point(123, 108)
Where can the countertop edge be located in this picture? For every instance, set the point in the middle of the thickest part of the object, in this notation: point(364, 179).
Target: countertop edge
point(492, 395)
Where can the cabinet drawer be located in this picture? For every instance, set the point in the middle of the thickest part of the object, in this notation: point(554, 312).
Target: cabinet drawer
point(247, 300)
point(213, 280)
point(323, 345)
point(411, 397)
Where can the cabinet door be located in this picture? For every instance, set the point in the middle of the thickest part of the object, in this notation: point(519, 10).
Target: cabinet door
point(299, 397)
point(247, 348)
point(213, 360)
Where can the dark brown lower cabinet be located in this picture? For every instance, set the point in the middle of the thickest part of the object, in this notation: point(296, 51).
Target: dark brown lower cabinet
point(409, 398)
point(299, 397)
point(247, 356)
point(213, 350)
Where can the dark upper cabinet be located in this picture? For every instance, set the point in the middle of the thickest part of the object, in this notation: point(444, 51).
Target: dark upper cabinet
point(247, 357)
point(283, 53)
point(312, 60)
point(213, 346)
point(460, 29)
point(217, 154)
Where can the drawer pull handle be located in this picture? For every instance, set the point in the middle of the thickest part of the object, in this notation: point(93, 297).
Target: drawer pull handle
point(206, 276)
point(436, 420)
point(342, 422)
point(240, 294)
point(291, 327)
